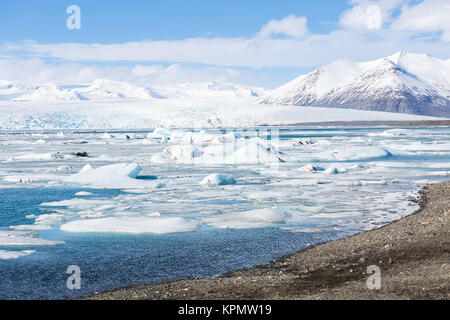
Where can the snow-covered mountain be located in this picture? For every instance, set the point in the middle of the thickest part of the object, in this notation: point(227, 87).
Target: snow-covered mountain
point(48, 92)
point(404, 82)
point(211, 89)
point(107, 90)
point(104, 88)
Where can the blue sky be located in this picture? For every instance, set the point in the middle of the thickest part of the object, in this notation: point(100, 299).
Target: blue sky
point(261, 42)
point(134, 20)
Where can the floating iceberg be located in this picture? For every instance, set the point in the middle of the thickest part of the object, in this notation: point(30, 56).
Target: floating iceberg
point(311, 168)
point(223, 150)
point(9, 255)
point(392, 133)
point(133, 225)
point(120, 175)
point(258, 218)
point(24, 238)
point(331, 170)
point(360, 153)
point(39, 157)
point(218, 179)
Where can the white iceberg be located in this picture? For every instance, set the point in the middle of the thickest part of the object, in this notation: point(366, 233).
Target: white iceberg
point(132, 225)
point(259, 218)
point(39, 157)
point(83, 194)
point(9, 255)
point(218, 179)
point(24, 238)
point(360, 153)
point(311, 168)
point(226, 149)
point(159, 133)
point(119, 175)
point(331, 170)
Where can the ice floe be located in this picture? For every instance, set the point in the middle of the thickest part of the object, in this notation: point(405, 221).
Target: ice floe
point(24, 238)
point(258, 218)
point(133, 225)
point(218, 179)
point(239, 151)
point(84, 194)
point(119, 175)
point(9, 255)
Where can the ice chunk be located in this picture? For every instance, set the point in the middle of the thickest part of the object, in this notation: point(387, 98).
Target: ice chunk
point(255, 150)
point(359, 153)
point(392, 133)
point(49, 218)
point(218, 179)
point(133, 225)
point(83, 194)
point(24, 238)
point(183, 153)
point(311, 168)
point(9, 255)
point(64, 168)
point(258, 218)
point(331, 170)
point(106, 135)
point(38, 157)
point(31, 227)
point(120, 175)
point(159, 133)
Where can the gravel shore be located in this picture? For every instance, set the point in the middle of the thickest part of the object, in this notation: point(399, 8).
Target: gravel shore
point(413, 255)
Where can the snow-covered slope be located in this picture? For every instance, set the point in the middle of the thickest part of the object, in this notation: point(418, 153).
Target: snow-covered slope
point(403, 82)
point(108, 90)
point(103, 88)
point(209, 90)
point(49, 92)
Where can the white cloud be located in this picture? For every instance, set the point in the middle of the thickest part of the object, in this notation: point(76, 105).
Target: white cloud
point(427, 16)
point(165, 61)
point(291, 26)
point(35, 71)
point(368, 14)
point(312, 50)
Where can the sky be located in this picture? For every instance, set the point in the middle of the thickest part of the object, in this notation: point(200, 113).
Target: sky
point(254, 42)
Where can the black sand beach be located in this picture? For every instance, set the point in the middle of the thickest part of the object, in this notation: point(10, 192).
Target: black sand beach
point(413, 255)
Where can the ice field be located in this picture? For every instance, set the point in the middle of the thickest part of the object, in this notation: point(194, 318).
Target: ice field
point(146, 206)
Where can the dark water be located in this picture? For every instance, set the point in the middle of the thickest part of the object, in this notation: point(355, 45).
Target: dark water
point(113, 260)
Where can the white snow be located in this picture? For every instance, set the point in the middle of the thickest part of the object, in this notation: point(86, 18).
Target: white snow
point(49, 92)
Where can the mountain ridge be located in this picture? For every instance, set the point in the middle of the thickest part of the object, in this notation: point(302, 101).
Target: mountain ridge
point(403, 82)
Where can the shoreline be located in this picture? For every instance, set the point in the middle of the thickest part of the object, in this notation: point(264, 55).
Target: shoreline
point(413, 255)
point(406, 123)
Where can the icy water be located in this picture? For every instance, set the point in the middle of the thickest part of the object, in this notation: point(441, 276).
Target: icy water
point(294, 187)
